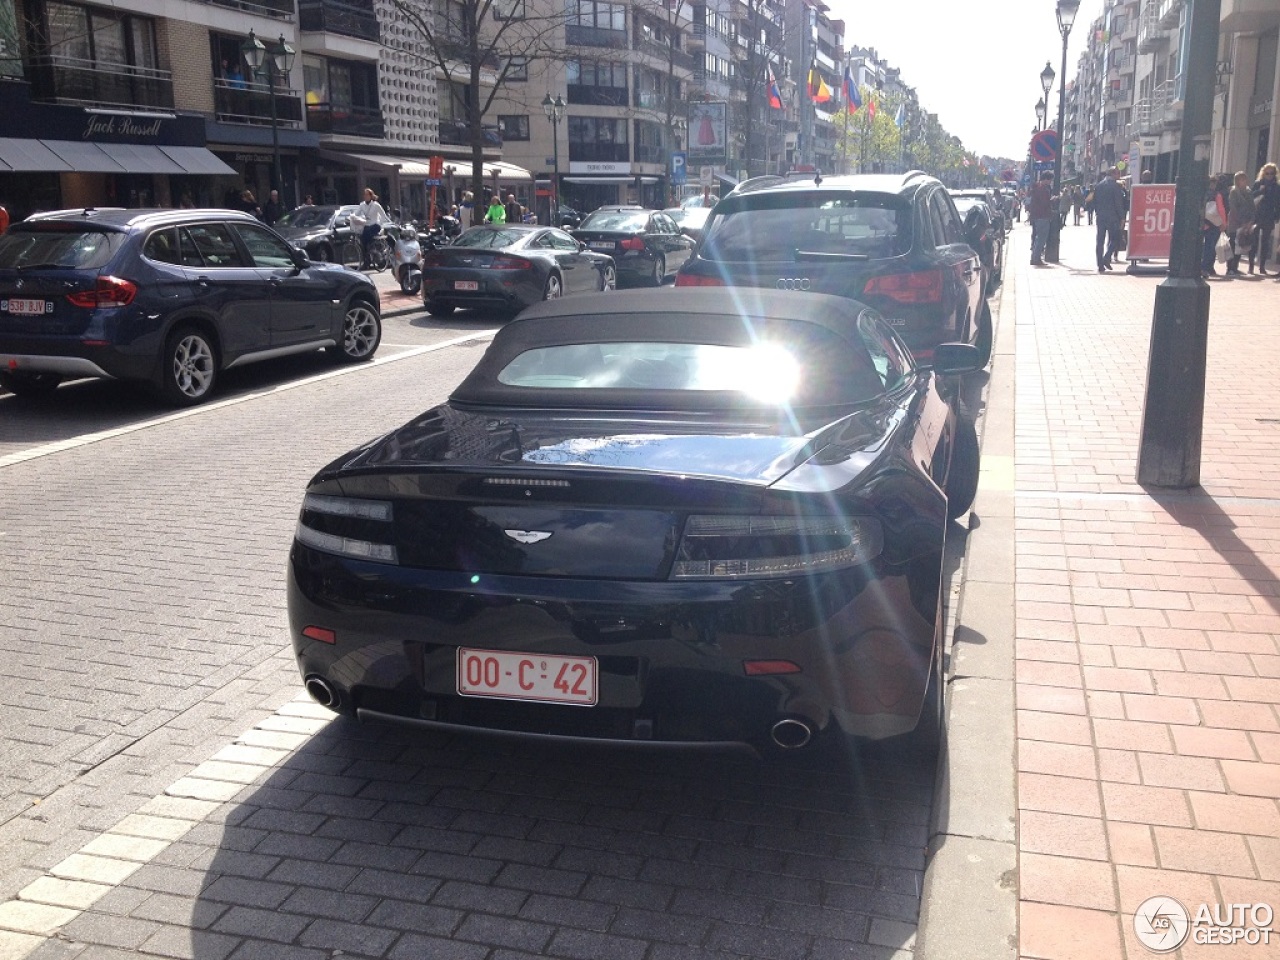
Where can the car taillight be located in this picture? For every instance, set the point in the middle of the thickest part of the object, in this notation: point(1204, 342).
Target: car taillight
point(632, 243)
point(507, 262)
point(697, 280)
point(347, 527)
point(924, 286)
point(107, 292)
point(728, 548)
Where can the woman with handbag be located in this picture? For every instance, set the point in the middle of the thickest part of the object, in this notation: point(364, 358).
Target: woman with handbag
point(1241, 212)
point(1266, 192)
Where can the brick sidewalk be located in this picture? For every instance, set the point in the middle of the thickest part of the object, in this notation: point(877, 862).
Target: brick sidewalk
point(1147, 670)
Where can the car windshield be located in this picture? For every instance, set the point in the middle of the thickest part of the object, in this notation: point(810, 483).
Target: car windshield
point(54, 245)
point(629, 220)
point(775, 228)
point(305, 217)
point(488, 238)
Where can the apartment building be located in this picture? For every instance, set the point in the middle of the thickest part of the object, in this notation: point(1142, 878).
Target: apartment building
point(1246, 127)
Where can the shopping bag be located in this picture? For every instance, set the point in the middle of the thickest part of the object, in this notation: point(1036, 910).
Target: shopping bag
point(1222, 249)
point(1123, 242)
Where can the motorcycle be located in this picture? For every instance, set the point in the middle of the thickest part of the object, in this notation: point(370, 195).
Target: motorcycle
point(407, 258)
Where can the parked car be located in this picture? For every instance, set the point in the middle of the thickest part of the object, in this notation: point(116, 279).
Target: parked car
point(991, 197)
point(686, 520)
point(167, 297)
point(320, 232)
point(984, 226)
point(646, 245)
point(567, 218)
point(690, 220)
point(509, 266)
point(894, 242)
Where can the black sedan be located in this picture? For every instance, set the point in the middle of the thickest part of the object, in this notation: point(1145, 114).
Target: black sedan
point(321, 232)
point(690, 220)
point(647, 245)
point(983, 225)
point(509, 266)
point(693, 520)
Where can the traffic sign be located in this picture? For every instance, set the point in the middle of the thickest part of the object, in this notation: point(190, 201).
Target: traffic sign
point(1044, 146)
point(679, 168)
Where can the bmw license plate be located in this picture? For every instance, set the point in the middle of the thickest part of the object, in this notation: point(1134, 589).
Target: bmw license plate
point(601, 245)
point(466, 284)
point(26, 308)
point(527, 676)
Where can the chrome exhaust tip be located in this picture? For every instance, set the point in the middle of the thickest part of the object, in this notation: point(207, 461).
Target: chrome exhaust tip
point(791, 734)
point(322, 691)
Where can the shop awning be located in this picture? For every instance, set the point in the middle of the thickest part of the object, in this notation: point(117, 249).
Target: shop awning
point(74, 156)
point(505, 172)
point(421, 166)
point(611, 179)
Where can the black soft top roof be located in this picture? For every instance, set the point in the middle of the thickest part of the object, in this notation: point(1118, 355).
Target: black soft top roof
point(821, 331)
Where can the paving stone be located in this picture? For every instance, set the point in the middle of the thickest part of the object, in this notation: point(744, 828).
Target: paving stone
point(20, 916)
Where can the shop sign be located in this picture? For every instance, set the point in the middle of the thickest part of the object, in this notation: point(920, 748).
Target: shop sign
point(10, 61)
point(587, 166)
point(99, 127)
point(1150, 221)
point(254, 158)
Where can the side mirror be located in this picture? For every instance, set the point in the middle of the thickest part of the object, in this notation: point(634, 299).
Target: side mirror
point(953, 358)
point(299, 258)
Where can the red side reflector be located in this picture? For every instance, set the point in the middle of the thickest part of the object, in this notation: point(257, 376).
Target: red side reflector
point(922, 287)
point(697, 280)
point(320, 633)
point(768, 668)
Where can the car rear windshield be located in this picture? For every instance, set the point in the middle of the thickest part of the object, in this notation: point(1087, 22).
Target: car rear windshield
point(774, 228)
point(490, 239)
point(306, 217)
point(616, 220)
point(54, 246)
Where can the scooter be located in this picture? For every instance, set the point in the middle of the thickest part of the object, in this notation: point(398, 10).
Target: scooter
point(407, 257)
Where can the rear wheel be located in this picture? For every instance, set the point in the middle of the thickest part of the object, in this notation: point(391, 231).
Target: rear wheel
point(553, 290)
point(439, 309)
point(189, 367)
point(379, 254)
point(659, 270)
point(986, 335)
point(30, 384)
point(962, 476)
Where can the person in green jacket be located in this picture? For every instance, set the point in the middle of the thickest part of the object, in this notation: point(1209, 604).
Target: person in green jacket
point(497, 213)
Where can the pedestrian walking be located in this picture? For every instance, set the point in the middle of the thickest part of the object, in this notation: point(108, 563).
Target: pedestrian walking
point(273, 210)
point(1077, 203)
point(1065, 199)
point(1241, 213)
point(1266, 193)
point(515, 214)
point(249, 204)
point(1039, 212)
point(497, 213)
point(1109, 215)
point(1212, 224)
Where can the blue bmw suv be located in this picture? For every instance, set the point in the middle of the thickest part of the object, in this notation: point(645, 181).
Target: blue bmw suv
point(168, 297)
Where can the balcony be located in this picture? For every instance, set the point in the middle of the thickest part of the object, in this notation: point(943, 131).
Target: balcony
point(651, 153)
point(599, 152)
point(276, 9)
point(94, 83)
point(665, 54)
point(238, 102)
point(456, 133)
point(576, 35)
point(1152, 38)
point(1170, 13)
point(589, 96)
point(333, 16)
point(345, 119)
point(697, 36)
point(457, 47)
point(650, 100)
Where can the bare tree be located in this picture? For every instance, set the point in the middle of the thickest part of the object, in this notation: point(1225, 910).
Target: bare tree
point(479, 45)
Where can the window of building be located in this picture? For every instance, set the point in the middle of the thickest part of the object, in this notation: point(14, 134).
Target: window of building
point(91, 35)
point(508, 10)
point(601, 16)
point(592, 73)
point(518, 69)
point(514, 127)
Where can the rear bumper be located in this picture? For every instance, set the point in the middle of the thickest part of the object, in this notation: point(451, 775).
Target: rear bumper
point(671, 656)
point(64, 366)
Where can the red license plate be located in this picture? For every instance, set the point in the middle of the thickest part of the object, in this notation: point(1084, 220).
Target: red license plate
point(527, 676)
point(466, 284)
point(27, 308)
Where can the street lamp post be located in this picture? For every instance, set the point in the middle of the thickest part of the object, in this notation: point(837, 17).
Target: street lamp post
point(1041, 112)
point(554, 109)
point(278, 60)
point(1067, 10)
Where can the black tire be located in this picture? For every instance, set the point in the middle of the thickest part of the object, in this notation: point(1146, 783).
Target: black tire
point(930, 732)
point(553, 289)
point(439, 309)
point(351, 253)
point(659, 270)
point(962, 475)
point(30, 384)
point(410, 280)
point(985, 340)
point(361, 332)
point(188, 367)
point(323, 254)
point(608, 278)
point(379, 254)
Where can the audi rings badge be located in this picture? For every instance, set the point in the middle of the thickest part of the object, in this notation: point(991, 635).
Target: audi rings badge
point(794, 283)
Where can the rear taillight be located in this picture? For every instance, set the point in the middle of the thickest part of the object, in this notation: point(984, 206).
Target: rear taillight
point(347, 527)
point(924, 286)
point(507, 262)
point(632, 243)
point(107, 292)
point(697, 280)
point(728, 548)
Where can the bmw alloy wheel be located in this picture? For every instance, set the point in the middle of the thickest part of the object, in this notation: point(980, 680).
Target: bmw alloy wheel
point(191, 367)
point(361, 332)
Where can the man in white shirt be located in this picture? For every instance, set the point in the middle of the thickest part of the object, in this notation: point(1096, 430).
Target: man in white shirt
point(367, 221)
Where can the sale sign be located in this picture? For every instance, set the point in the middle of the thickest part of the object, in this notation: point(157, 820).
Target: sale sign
point(1151, 221)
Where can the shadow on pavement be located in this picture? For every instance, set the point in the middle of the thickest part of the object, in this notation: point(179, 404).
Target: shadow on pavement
point(377, 841)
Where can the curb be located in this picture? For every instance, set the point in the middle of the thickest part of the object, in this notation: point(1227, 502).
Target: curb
point(969, 899)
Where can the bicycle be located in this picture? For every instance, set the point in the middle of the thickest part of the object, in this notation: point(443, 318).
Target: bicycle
point(352, 254)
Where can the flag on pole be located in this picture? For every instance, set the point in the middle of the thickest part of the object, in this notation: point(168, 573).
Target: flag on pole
point(900, 116)
point(850, 89)
point(819, 92)
point(775, 95)
point(871, 108)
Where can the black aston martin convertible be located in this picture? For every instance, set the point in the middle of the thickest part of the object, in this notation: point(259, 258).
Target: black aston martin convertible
point(699, 519)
